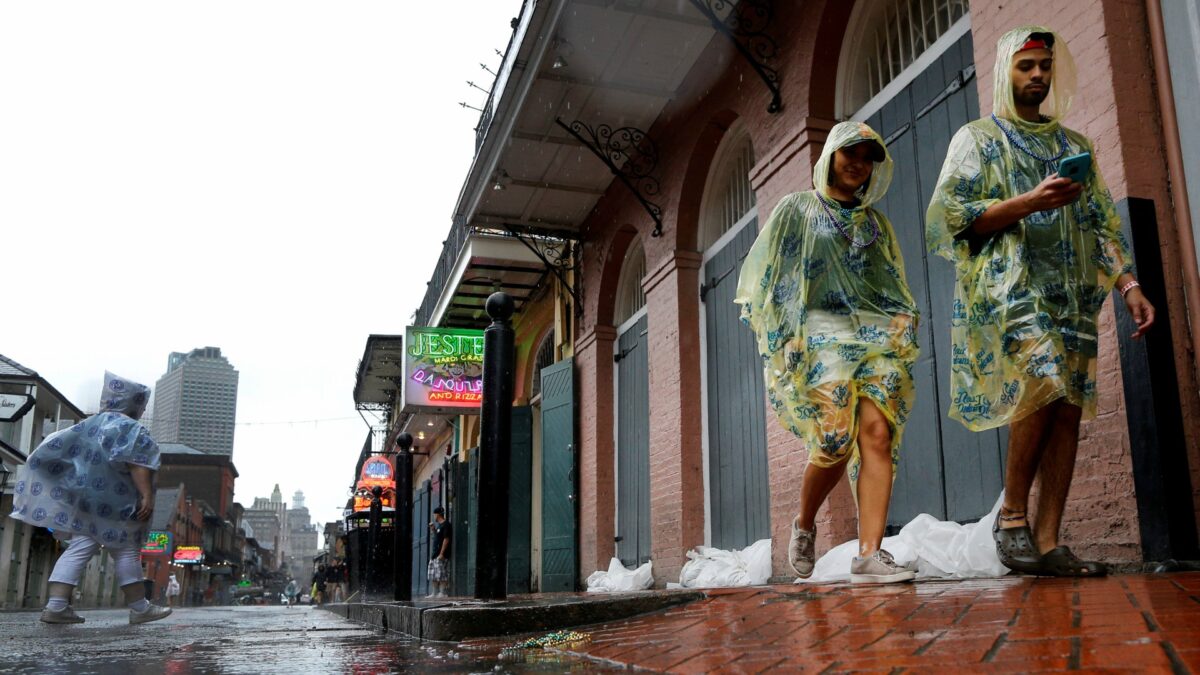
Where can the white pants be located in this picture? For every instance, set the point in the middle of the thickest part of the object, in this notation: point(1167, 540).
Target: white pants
point(81, 548)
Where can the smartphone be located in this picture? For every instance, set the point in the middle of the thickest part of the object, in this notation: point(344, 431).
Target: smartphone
point(1075, 167)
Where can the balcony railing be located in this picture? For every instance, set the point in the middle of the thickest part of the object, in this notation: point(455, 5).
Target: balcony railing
point(459, 232)
point(519, 25)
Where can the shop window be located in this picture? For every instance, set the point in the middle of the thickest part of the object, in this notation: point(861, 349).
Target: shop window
point(886, 38)
point(728, 197)
point(631, 298)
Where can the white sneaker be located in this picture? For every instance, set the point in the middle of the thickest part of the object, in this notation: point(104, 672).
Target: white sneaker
point(879, 568)
point(152, 613)
point(64, 615)
point(802, 551)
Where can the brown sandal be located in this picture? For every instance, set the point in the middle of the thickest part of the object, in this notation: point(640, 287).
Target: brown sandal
point(1060, 562)
point(1015, 545)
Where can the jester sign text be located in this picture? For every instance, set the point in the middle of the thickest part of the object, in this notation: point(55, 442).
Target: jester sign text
point(443, 369)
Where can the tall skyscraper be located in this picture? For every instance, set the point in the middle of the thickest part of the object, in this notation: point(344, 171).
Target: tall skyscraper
point(195, 402)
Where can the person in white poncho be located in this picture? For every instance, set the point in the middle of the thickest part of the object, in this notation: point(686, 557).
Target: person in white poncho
point(93, 485)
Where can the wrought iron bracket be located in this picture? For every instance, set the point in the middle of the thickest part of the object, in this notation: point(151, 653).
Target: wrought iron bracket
point(745, 26)
point(555, 253)
point(630, 155)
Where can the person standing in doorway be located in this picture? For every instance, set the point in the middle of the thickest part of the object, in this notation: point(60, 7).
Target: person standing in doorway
point(93, 484)
point(1035, 256)
point(823, 287)
point(439, 564)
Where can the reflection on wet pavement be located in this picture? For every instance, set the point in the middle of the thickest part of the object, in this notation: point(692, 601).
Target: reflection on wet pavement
point(245, 640)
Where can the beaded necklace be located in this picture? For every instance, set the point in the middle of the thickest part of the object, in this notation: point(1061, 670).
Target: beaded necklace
point(1017, 142)
point(838, 223)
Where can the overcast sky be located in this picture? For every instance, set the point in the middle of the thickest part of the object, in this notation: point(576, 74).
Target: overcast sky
point(271, 178)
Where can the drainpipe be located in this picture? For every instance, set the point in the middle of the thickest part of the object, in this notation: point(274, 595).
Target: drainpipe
point(1179, 194)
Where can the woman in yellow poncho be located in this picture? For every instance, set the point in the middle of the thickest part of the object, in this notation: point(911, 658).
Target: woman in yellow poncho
point(824, 290)
point(1035, 256)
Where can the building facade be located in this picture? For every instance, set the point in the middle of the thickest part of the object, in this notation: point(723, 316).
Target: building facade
point(302, 537)
point(268, 517)
point(652, 430)
point(195, 401)
point(30, 409)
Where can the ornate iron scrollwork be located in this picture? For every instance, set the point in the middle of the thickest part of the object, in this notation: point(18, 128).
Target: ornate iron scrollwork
point(745, 26)
point(631, 156)
point(556, 254)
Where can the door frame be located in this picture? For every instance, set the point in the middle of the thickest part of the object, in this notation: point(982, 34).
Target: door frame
point(710, 253)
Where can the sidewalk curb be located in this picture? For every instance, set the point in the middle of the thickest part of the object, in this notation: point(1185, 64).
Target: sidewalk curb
point(456, 620)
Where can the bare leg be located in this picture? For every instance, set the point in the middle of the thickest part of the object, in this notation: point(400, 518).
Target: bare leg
point(875, 476)
point(58, 589)
point(1056, 469)
point(134, 592)
point(814, 490)
point(1026, 443)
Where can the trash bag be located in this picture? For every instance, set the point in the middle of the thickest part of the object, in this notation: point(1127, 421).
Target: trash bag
point(619, 578)
point(939, 549)
point(715, 568)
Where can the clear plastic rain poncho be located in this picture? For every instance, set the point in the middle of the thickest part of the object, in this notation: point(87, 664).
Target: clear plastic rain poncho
point(1023, 324)
point(77, 481)
point(834, 318)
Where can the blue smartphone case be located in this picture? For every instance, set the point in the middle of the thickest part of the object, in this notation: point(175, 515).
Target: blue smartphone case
point(1075, 167)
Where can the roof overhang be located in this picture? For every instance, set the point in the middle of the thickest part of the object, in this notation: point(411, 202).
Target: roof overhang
point(379, 371)
point(596, 62)
point(487, 263)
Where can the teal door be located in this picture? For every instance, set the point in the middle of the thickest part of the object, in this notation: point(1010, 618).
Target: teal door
point(559, 552)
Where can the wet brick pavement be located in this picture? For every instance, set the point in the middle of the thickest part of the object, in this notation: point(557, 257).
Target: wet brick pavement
point(296, 641)
point(1136, 623)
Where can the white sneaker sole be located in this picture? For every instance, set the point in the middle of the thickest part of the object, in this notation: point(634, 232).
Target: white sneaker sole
point(136, 618)
point(898, 577)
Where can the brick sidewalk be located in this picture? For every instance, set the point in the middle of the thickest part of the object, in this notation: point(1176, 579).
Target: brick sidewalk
point(1016, 624)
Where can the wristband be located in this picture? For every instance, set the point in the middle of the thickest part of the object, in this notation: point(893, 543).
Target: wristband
point(1128, 287)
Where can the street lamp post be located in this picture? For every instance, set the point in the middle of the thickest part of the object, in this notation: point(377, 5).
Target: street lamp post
point(495, 426)
point(402, 527)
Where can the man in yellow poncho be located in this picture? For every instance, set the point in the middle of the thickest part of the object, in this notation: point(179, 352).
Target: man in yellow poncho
point(824, 289)
point(1035, 256)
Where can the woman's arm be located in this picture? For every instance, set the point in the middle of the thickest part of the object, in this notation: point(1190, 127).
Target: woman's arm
point(143, 480)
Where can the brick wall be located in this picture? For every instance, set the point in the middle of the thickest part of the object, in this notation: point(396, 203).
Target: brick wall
point(1117, 111)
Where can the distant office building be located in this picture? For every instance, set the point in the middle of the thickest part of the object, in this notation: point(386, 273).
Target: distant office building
point(268, 518)
point(195, 402)
point(302, 537)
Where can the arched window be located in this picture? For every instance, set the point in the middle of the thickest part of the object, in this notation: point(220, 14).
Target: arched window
point(545, 357)
point(886, 38)
point(630, 296)
point(728, 197)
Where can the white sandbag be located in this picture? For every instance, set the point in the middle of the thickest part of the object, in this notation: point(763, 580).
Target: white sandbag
point(715, 568)
point(619, 578)
point(939, 549)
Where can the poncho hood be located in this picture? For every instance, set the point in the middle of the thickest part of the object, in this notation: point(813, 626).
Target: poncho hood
point(1062, 84)
point(124, 396)
point(844, 135)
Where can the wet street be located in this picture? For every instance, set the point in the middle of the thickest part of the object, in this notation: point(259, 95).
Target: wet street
point(241, 640)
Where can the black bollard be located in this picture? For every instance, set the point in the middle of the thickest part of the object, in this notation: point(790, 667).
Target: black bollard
point(495, 441)
point(372, 581)
point(402, 570)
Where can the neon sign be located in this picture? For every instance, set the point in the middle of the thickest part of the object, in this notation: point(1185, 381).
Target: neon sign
point(443, 369)
point(157, 543)
point(189, 555)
